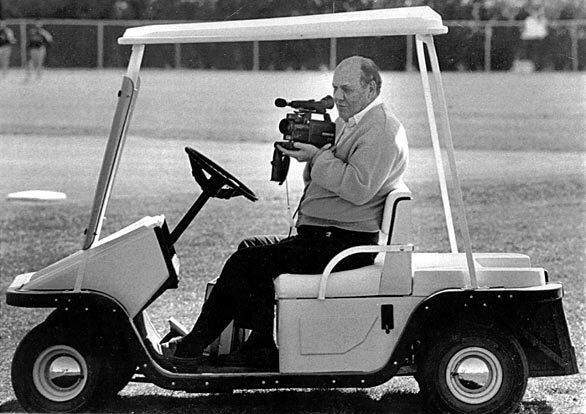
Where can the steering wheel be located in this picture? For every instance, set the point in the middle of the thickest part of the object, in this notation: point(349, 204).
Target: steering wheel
point(221, 183)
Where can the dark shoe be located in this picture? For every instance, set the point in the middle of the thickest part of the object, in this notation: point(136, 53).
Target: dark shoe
point(183, 355)
point(186, 365)
point(265, 357)
point(181, 347)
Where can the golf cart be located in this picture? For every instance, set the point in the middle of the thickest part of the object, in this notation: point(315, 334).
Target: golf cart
point(470, 327)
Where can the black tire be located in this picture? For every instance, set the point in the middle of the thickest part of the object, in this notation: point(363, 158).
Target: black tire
point(124, 369)
point(422, 391)
point(450, 379)
point(54, 370)
point(115, 350)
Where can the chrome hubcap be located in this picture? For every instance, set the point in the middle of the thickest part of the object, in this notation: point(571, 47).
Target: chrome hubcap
point(60, 373)
point(474, 375)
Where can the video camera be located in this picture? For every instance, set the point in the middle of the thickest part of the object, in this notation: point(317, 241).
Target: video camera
point(300, 126)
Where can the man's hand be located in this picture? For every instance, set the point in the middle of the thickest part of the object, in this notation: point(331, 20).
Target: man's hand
point(303, 152)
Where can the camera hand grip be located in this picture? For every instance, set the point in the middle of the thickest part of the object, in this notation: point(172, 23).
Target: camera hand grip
point(280, 167)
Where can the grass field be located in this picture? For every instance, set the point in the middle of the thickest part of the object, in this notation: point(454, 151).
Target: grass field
point(520, 142)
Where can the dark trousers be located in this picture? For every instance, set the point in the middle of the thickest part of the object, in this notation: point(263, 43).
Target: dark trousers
point(244, 292)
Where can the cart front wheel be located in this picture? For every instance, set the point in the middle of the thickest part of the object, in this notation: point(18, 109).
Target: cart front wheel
point(52, 371)
point(481, 371)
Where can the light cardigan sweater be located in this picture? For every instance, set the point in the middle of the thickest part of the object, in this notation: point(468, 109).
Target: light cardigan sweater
point(346, 185)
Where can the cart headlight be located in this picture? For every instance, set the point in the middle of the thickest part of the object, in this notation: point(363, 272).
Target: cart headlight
point(21, 280)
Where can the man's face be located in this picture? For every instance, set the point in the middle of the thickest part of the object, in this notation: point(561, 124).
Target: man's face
point(350, 95)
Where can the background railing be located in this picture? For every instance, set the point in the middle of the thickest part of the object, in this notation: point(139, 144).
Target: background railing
point(469, 45)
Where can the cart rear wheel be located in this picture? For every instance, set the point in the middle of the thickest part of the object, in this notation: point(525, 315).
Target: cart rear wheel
point(478, 370)
point(124, 366)
point(53, 371)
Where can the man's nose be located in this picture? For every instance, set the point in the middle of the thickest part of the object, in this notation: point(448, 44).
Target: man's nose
point(338, 95)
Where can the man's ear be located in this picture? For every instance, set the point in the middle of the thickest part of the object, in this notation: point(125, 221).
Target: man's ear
point(372, 89)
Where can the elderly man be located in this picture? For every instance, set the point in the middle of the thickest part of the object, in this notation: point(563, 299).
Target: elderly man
point(341, 207)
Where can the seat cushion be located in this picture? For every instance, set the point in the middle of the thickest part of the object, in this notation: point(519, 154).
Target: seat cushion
point(364, 281)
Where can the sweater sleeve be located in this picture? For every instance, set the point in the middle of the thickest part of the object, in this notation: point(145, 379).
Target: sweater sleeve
point(358, 179)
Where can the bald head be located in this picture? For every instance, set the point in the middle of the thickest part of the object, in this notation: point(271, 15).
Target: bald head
point(356, 84)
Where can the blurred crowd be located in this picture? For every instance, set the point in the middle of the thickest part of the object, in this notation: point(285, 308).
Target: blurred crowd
point(248, 9)
point(522, 30)
point(533, 41)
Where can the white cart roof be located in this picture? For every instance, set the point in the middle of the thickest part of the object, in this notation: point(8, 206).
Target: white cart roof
point(381, 22)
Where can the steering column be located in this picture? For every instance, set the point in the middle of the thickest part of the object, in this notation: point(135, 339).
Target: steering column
point(214, 182)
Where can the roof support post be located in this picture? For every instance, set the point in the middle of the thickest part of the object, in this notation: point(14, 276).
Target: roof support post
point(436, 146)
point(134, 63)
point(126, 100)
point(461, 212)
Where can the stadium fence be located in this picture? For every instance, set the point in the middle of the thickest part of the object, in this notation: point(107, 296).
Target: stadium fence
point(469, 45)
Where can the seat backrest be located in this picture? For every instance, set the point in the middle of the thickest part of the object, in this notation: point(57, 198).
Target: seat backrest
point(396, 277)
point(396, 222)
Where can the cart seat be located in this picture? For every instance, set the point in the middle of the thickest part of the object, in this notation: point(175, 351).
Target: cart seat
point(364, 281)
point(432, 272)
point(367, 280)
point(402, 272)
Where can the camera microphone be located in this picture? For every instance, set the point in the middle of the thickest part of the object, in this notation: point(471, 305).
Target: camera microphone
point(321, 105)
point(280, 103)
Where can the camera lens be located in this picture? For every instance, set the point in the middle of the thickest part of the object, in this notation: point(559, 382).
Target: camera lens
point(285, 127)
